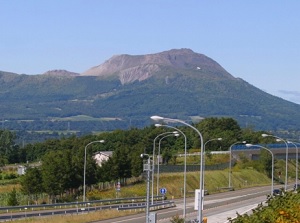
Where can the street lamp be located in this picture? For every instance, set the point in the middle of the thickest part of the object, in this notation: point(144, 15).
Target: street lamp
point(158, 155)
point(286, 157)
point(230, 157)
point(153, 166)
point(147, 167)
point(216, 139)
point(200, 197)
point(25, 212)
point(296, 183)
point(184, 175)
point(259, 146)
point(84, 167)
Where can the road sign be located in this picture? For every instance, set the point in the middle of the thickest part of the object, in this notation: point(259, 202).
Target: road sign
point(163, 191)
point(118, 188)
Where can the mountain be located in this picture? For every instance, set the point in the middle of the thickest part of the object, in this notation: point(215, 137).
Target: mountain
point(131, 68)
point(60, 73)
point(126, 90)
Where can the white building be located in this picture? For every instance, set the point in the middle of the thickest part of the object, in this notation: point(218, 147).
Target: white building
point(21, 170)
point(101, 157)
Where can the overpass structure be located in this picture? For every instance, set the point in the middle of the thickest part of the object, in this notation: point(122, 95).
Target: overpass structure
point(279, 151)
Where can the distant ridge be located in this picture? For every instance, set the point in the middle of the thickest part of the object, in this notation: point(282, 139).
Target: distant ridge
point(60, 73)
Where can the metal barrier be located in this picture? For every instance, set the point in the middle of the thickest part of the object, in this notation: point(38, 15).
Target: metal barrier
point(157, 205)
point(80, 204)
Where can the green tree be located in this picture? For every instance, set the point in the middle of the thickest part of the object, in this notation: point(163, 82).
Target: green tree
point(122, 164)
point(53, 173)
point(225, 128)
point(266, 161)
point(7, 146)
point(166, 155)
point(107, 171)
point(32, 182)
point(12, 198)
point(136, 162)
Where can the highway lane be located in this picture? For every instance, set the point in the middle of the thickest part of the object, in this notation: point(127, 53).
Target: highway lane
point(214, 205)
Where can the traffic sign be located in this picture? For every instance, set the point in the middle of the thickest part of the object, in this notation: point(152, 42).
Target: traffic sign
point(163, 191)
point(118, 188)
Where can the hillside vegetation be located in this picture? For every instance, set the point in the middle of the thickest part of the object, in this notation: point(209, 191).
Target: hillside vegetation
point(126, 90)
point(280, 209)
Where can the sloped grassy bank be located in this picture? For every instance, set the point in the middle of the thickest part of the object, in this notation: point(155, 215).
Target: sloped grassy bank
point(215, 181)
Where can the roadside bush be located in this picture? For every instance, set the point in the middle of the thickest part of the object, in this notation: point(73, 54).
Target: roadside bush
point(177, 219)
point(279, 209)
point(10, 176)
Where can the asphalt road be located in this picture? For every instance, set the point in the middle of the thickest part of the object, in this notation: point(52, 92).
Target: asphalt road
point(217, 207)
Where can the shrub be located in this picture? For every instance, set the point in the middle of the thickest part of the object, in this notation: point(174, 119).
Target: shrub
point(177, 219)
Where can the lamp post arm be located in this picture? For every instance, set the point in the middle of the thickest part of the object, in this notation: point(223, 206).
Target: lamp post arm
point(158, 154)
point(153, 164)
point(203, 169)
point(84, 166)
point(272, 178)
point(296, 182)
point(184, 171)
point(200, 197)
point(286, 160)
point(230, 157)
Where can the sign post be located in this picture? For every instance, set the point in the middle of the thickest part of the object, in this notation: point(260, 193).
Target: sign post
point(118, 189)
point(163, 191)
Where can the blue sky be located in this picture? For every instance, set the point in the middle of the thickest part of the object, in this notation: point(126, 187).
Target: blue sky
point(258, 41)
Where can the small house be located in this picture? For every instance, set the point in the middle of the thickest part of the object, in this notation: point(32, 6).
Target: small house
point(102, 156)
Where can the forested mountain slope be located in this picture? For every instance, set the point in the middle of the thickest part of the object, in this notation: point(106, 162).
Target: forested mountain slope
point(126, 90)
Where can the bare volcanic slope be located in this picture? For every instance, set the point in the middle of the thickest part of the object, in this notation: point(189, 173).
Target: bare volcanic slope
point(131, 68)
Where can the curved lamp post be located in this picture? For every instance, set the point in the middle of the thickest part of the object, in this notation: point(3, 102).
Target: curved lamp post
point(230, 157)
point(296, 183)
point(216, 139)
point(153, 157)
point(184, 174)
point(262, 147)
point(147, 168)
point(286, 157)
point(200, 197)
point(84, 166)
point(158, 155)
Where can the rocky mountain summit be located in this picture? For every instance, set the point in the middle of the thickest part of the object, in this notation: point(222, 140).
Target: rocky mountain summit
point(138, 68)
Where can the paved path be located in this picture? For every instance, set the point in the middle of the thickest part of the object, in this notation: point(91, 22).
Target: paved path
point(222, 218)
point(213, 215)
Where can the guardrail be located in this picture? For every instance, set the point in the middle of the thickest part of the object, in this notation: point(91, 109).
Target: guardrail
point(80, 204)
point(157, 205)
point(30, 211)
